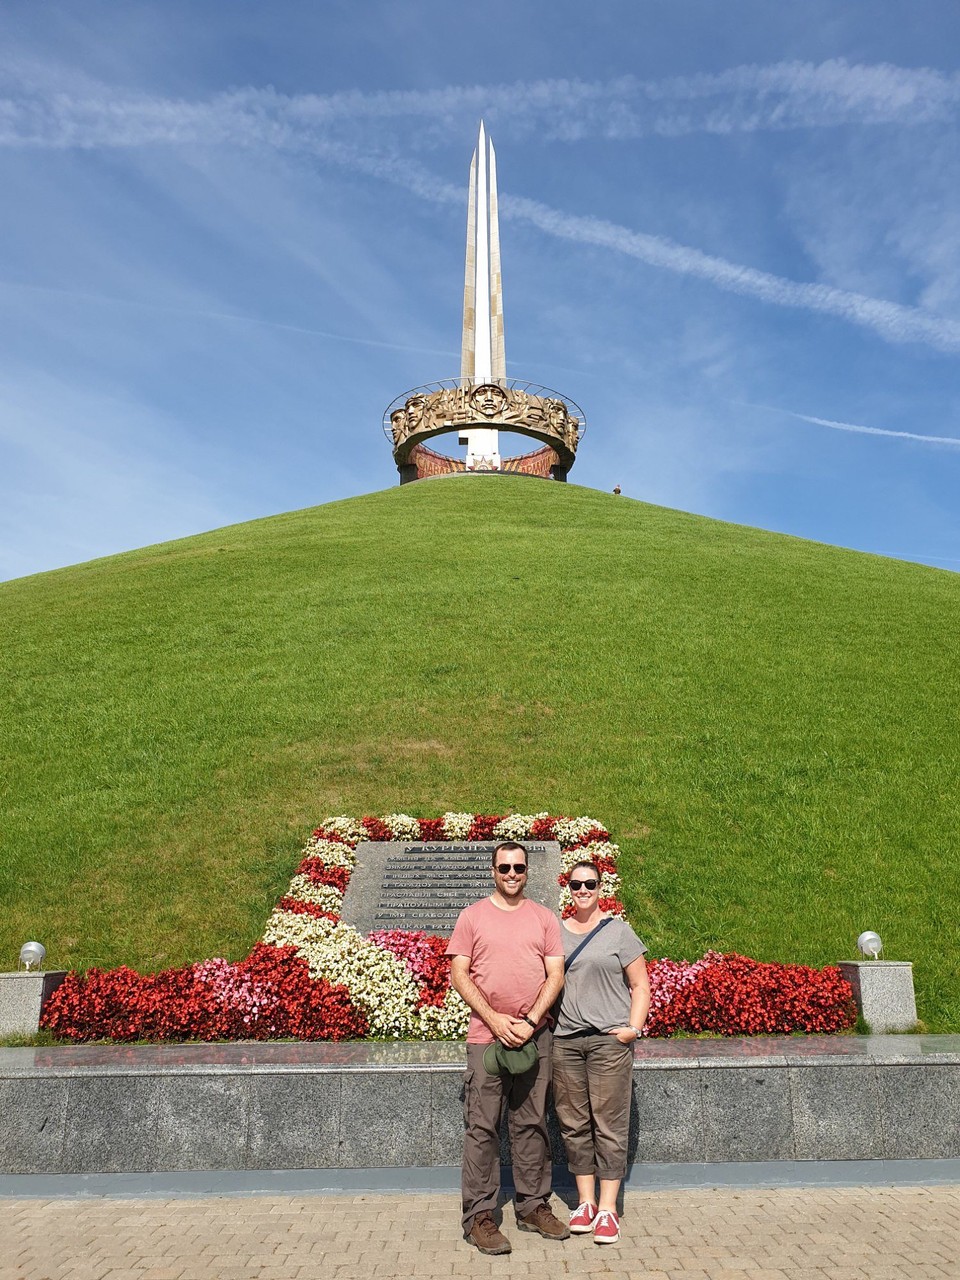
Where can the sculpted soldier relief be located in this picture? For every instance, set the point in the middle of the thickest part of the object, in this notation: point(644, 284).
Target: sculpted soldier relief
point(489, 401)
point(490, 404)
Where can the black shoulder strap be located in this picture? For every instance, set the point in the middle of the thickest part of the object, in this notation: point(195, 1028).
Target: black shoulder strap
point(589, 938)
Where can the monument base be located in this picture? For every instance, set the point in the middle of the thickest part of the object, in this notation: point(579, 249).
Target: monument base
point(155, 1108)
point(22, 997)
point(883, 992)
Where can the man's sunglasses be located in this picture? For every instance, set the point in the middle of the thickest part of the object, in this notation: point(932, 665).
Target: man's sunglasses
point(582, 884)
point(505, 867)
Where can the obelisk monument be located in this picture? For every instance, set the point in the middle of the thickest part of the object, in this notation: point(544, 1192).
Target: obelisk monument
point(482, 401)
point(482, 358)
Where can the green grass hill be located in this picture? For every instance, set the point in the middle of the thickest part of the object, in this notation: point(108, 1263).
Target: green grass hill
point(767, 726)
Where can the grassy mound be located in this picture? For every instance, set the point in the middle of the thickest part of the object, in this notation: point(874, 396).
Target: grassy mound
point(767, 726)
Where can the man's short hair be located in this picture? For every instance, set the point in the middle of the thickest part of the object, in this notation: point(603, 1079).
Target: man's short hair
point(509, 844)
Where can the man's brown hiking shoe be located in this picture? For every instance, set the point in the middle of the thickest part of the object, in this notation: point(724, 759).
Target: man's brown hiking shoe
point(543, 1221)
point(486, 1236)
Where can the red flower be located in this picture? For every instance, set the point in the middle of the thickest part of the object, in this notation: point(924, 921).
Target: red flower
point(483, 825)
point(317, 871)
point(543, 829)
point(266, 996)
point(425, 957)
point(735, 996)
point(376, 829)
point(300, 908)
point(432, 829)
point(595, 834)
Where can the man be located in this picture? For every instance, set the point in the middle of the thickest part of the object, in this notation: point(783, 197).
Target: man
point(507, 963)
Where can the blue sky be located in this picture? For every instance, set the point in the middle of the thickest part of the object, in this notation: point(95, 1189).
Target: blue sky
point(231, 234)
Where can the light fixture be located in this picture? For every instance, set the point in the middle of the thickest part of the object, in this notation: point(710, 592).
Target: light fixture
point(869, 944)
point(32, 953)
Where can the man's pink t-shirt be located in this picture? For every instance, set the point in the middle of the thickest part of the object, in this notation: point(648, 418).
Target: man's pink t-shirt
point(506, 950)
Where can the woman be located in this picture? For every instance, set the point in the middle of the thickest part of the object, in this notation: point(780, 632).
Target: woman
point(603, 1007)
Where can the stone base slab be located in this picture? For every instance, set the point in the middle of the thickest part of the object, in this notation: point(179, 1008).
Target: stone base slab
point(111, 1109)
point(883, 991)
point(22, 997)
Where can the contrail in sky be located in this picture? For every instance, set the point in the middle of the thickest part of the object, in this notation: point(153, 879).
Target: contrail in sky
point(869, 431)
point(891, 321)
point(47, 109)
point(789, 94)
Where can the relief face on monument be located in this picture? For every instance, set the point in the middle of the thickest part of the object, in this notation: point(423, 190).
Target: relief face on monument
point(415, 408)
point(428, 412)
point(398, 425)
point(489, 401)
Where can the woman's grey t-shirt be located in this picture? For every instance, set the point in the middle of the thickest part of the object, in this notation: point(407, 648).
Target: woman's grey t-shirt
point(595, 992)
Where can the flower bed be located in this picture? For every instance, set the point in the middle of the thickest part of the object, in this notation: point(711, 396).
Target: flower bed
point(400, 980)
point(313, 977)
point(268, 996)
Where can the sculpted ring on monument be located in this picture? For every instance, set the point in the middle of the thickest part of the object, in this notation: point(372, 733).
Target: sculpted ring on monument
point(456, 404)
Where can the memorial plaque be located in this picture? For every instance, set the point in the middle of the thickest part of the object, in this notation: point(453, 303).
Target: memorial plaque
point(425, 884)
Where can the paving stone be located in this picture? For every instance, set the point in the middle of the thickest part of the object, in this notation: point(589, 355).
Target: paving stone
point(813, 1234)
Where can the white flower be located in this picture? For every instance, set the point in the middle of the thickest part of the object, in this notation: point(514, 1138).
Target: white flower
point(346, 828)
point(402, 826)
point(456, 826)
point(568, 830)
point(516, 826)
point(324, 895)
point(378, 981)
point(448, 1021)
point(609, 885)
point(588, 853)
point(330, 852)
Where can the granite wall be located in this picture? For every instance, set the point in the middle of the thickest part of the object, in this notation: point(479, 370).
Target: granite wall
point(99, 1109)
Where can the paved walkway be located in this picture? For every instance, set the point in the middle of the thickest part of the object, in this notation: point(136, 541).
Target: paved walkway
point(857, 1233)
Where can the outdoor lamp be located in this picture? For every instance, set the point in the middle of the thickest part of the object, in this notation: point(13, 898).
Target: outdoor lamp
point(32, 953)
point(869, 944)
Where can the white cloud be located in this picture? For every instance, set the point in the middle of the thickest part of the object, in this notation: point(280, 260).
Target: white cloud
point(879, 215)
point(892, 321)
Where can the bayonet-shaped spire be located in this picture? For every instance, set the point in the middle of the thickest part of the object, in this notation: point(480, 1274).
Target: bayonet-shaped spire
point(482, 356)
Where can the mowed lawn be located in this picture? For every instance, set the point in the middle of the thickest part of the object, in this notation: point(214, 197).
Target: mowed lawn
point(769, 727)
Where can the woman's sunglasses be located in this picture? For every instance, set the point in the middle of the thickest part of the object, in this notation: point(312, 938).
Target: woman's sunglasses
point(506, 867)
point(582, 884)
